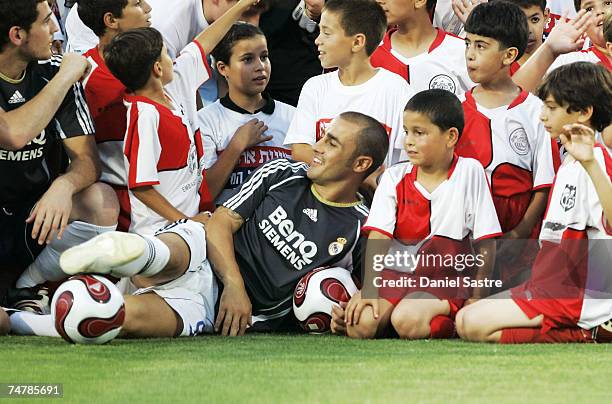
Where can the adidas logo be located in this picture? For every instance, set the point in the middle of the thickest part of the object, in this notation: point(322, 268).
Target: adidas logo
point(17, 98)
point(311, 213)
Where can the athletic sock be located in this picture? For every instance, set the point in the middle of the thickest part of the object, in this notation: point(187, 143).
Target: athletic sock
point(442, 327)
point(46, 266)
point(535, 335)
point(153, 260)
point(26, 323)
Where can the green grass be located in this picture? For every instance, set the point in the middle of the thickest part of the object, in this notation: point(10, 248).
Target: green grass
point(290, 368)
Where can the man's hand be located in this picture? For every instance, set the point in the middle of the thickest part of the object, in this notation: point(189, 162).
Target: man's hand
point(56, 47)
point(51, 213)
point(74, 67)
point(463, 8)
point(568, 36)
point(579, 141)
point(356, 305)
point(245, 4)
point(250, 134)
point(234, 310)
point(314, 8)
point(337, 324)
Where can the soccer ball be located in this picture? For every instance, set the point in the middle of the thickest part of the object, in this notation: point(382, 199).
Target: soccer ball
point(88, 309)
point(317, 292)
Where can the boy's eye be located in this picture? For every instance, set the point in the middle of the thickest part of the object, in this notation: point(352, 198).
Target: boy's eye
point(535, 20)
point(590, 8)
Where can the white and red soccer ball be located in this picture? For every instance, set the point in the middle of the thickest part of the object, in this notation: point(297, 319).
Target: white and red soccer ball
point(317, 292)
point(88, 309)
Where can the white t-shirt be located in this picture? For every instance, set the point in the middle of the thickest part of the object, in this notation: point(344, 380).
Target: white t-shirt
point(324, 97)
point(179, 21)
point(218, 124)
point(161, 145)
point(591, 54)
point(442, 66)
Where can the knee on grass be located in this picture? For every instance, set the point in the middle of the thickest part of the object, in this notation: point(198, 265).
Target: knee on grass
point(5, 325)
point(410, 325)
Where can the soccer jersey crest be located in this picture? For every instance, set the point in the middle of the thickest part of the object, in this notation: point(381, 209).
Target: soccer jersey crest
point(568, 198)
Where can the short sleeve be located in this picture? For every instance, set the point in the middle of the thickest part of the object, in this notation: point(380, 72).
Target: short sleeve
point(191, 70)
point(303, 125)
point(246, 198)
point(482, 220)
point(73, 118)
point(383, 213)
point(142, 147)
point(545, 159)
point(211, 140)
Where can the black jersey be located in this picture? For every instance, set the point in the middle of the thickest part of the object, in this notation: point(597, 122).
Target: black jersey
point(289, 230)
point(24, 173)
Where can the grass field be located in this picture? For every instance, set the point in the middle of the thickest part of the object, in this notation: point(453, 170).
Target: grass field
point(290, 368)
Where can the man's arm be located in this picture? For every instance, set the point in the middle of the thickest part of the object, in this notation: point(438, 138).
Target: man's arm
point(51, 213)
point(26, 122)
point(211, 36)
point(235, 305)
point(565, 37)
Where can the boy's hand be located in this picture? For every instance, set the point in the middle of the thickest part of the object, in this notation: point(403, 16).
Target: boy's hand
point(579, 141)
point(250, 134)
point(568, 36)
point(314, 8)
point(356, 305)
point(463, 8)
point(337, 324)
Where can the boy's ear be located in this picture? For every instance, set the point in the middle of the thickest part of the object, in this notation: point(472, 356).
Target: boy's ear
point(110, 21)
point(420, 4)
point(221, 67)
point(585, 115)
point(157, 69)
point(510, 56)
point(359, 42)
point(453, 137)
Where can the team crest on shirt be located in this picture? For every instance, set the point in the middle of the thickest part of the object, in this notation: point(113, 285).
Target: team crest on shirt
point(568, 198)
point(337, 246)
point(443, 82)
point(519, 142)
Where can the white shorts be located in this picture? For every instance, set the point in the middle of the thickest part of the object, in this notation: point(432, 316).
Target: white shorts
point(193, 295)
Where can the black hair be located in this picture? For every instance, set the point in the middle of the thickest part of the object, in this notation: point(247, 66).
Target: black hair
point(130, 56)
point(238, 31)
point(372, 139)
point(530, 3)
point(365, 17)
point(581, 85)
point(92, 13)
point(22, 13)
point(442, 107)
point(501, 20)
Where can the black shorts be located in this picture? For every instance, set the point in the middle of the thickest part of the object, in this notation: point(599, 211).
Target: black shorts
point(17, 247)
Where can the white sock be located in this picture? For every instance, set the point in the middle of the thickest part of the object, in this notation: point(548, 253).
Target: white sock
point(26, 323)
point(158, 257)
point(46, 266)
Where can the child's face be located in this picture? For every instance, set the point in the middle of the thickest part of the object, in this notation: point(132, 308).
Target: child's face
point(536, 20)
point(425, 143)
point(485, 57)
point(136, 14)
point(333, 44)
point(397, 11)
point(598, 9)
point(248, 71)
point(167, 66)
point(555, 116)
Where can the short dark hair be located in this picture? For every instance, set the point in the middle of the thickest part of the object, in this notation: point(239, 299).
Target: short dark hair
point(130, 56)
point(372, 140)
point(238, 31)
point(365, 17)
point(431, 6)
point(442, 107)
point(503, 21)
point(20, 13)
point(92, 13)
point(578, 4)
point(581, 85)
point(607, 28)
point(530, 3)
